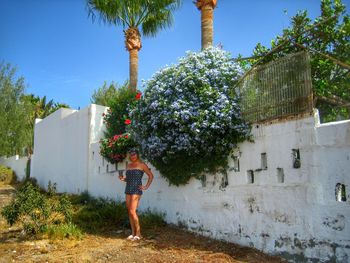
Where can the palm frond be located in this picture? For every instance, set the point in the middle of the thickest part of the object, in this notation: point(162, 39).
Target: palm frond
point(156, 22)
point(108, 11)
point(159, 15)
point(150, 15)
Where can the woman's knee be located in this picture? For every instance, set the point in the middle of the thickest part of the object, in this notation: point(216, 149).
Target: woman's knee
point(133, 213)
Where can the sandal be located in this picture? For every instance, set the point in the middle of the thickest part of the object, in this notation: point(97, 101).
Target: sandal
point(131, 237)
point(136, 238)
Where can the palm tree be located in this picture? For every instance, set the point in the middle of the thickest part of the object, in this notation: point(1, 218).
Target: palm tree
point(207, 11)
point(148, 15)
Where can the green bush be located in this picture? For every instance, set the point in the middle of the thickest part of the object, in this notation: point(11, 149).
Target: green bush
point(116, 142)
point(119, 111)
point(66, 230)
point(31, 180)
point(7, 176)
point(152, 219)
point(80, 199)
point(93, 214)
point(36, 211)
point(51, 188)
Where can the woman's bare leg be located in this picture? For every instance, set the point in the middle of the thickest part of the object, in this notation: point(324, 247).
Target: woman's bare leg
point(133, 206)
point(128, 200)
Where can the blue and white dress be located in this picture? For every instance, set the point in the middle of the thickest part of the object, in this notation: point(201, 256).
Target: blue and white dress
point(133, 181)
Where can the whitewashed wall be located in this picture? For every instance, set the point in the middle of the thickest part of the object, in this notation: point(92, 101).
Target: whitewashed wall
point(62, 142)
point(17, 164)
point(297, 217)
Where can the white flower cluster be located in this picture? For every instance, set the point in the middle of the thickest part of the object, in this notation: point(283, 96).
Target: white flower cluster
point(190, 108)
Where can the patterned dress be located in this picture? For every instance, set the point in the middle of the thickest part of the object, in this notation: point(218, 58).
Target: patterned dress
point(133, 181)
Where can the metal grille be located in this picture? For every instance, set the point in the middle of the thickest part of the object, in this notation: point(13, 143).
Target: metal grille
point(278, 89)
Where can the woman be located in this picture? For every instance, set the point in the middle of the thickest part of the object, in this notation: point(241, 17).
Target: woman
point(133, 190)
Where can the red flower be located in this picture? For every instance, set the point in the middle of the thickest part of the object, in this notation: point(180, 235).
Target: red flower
point(127, 121)
point(126, 136)
point(138, 96)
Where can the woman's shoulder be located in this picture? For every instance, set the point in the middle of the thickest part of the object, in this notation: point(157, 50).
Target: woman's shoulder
point(144, 165)
point(145, 168)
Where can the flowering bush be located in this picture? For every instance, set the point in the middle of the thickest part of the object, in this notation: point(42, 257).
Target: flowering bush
point(114, 149)
point(189, 118)
point(117, 141)
point(118, 111)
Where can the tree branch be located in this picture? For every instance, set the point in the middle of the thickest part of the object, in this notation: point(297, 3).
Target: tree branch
point(340, 63)
point(334, 100)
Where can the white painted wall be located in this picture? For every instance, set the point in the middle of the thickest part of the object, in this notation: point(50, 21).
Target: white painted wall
point(63, 141)
point(17, 164)
point(299, 219)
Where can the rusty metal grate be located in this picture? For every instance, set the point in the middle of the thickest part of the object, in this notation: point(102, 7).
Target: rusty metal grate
point(278, 89)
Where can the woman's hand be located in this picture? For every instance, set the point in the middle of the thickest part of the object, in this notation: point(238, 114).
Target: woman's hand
point(121, 178)
point(141, 187)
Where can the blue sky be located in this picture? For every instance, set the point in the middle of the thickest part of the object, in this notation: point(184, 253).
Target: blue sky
point(62, 54)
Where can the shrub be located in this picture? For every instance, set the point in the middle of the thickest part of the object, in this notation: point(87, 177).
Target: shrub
point(51, 188)
point(7, 176)
point(66, 230)
point(35, 211)
point(118, 111)
point(97, 213)
point(31, 180)
point(115, 149)
point(152, 219)
point(80, 199)
point(116, 142)
point(189, 118)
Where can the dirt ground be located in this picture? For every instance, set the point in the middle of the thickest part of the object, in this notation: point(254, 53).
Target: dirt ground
point(164, 244)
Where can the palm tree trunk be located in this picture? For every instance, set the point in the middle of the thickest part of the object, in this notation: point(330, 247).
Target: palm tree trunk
point(133, 45)
point(207, 12)
point(133, 68)
point(207, 26)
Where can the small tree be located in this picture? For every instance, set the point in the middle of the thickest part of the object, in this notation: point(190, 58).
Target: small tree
point(106, 94)
point(18, 112)
point(13, 112)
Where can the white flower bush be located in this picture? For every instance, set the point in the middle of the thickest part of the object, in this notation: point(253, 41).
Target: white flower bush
point(189, 118)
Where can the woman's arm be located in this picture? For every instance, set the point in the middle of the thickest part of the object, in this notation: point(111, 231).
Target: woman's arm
point(150, 177)
point(121, 177)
